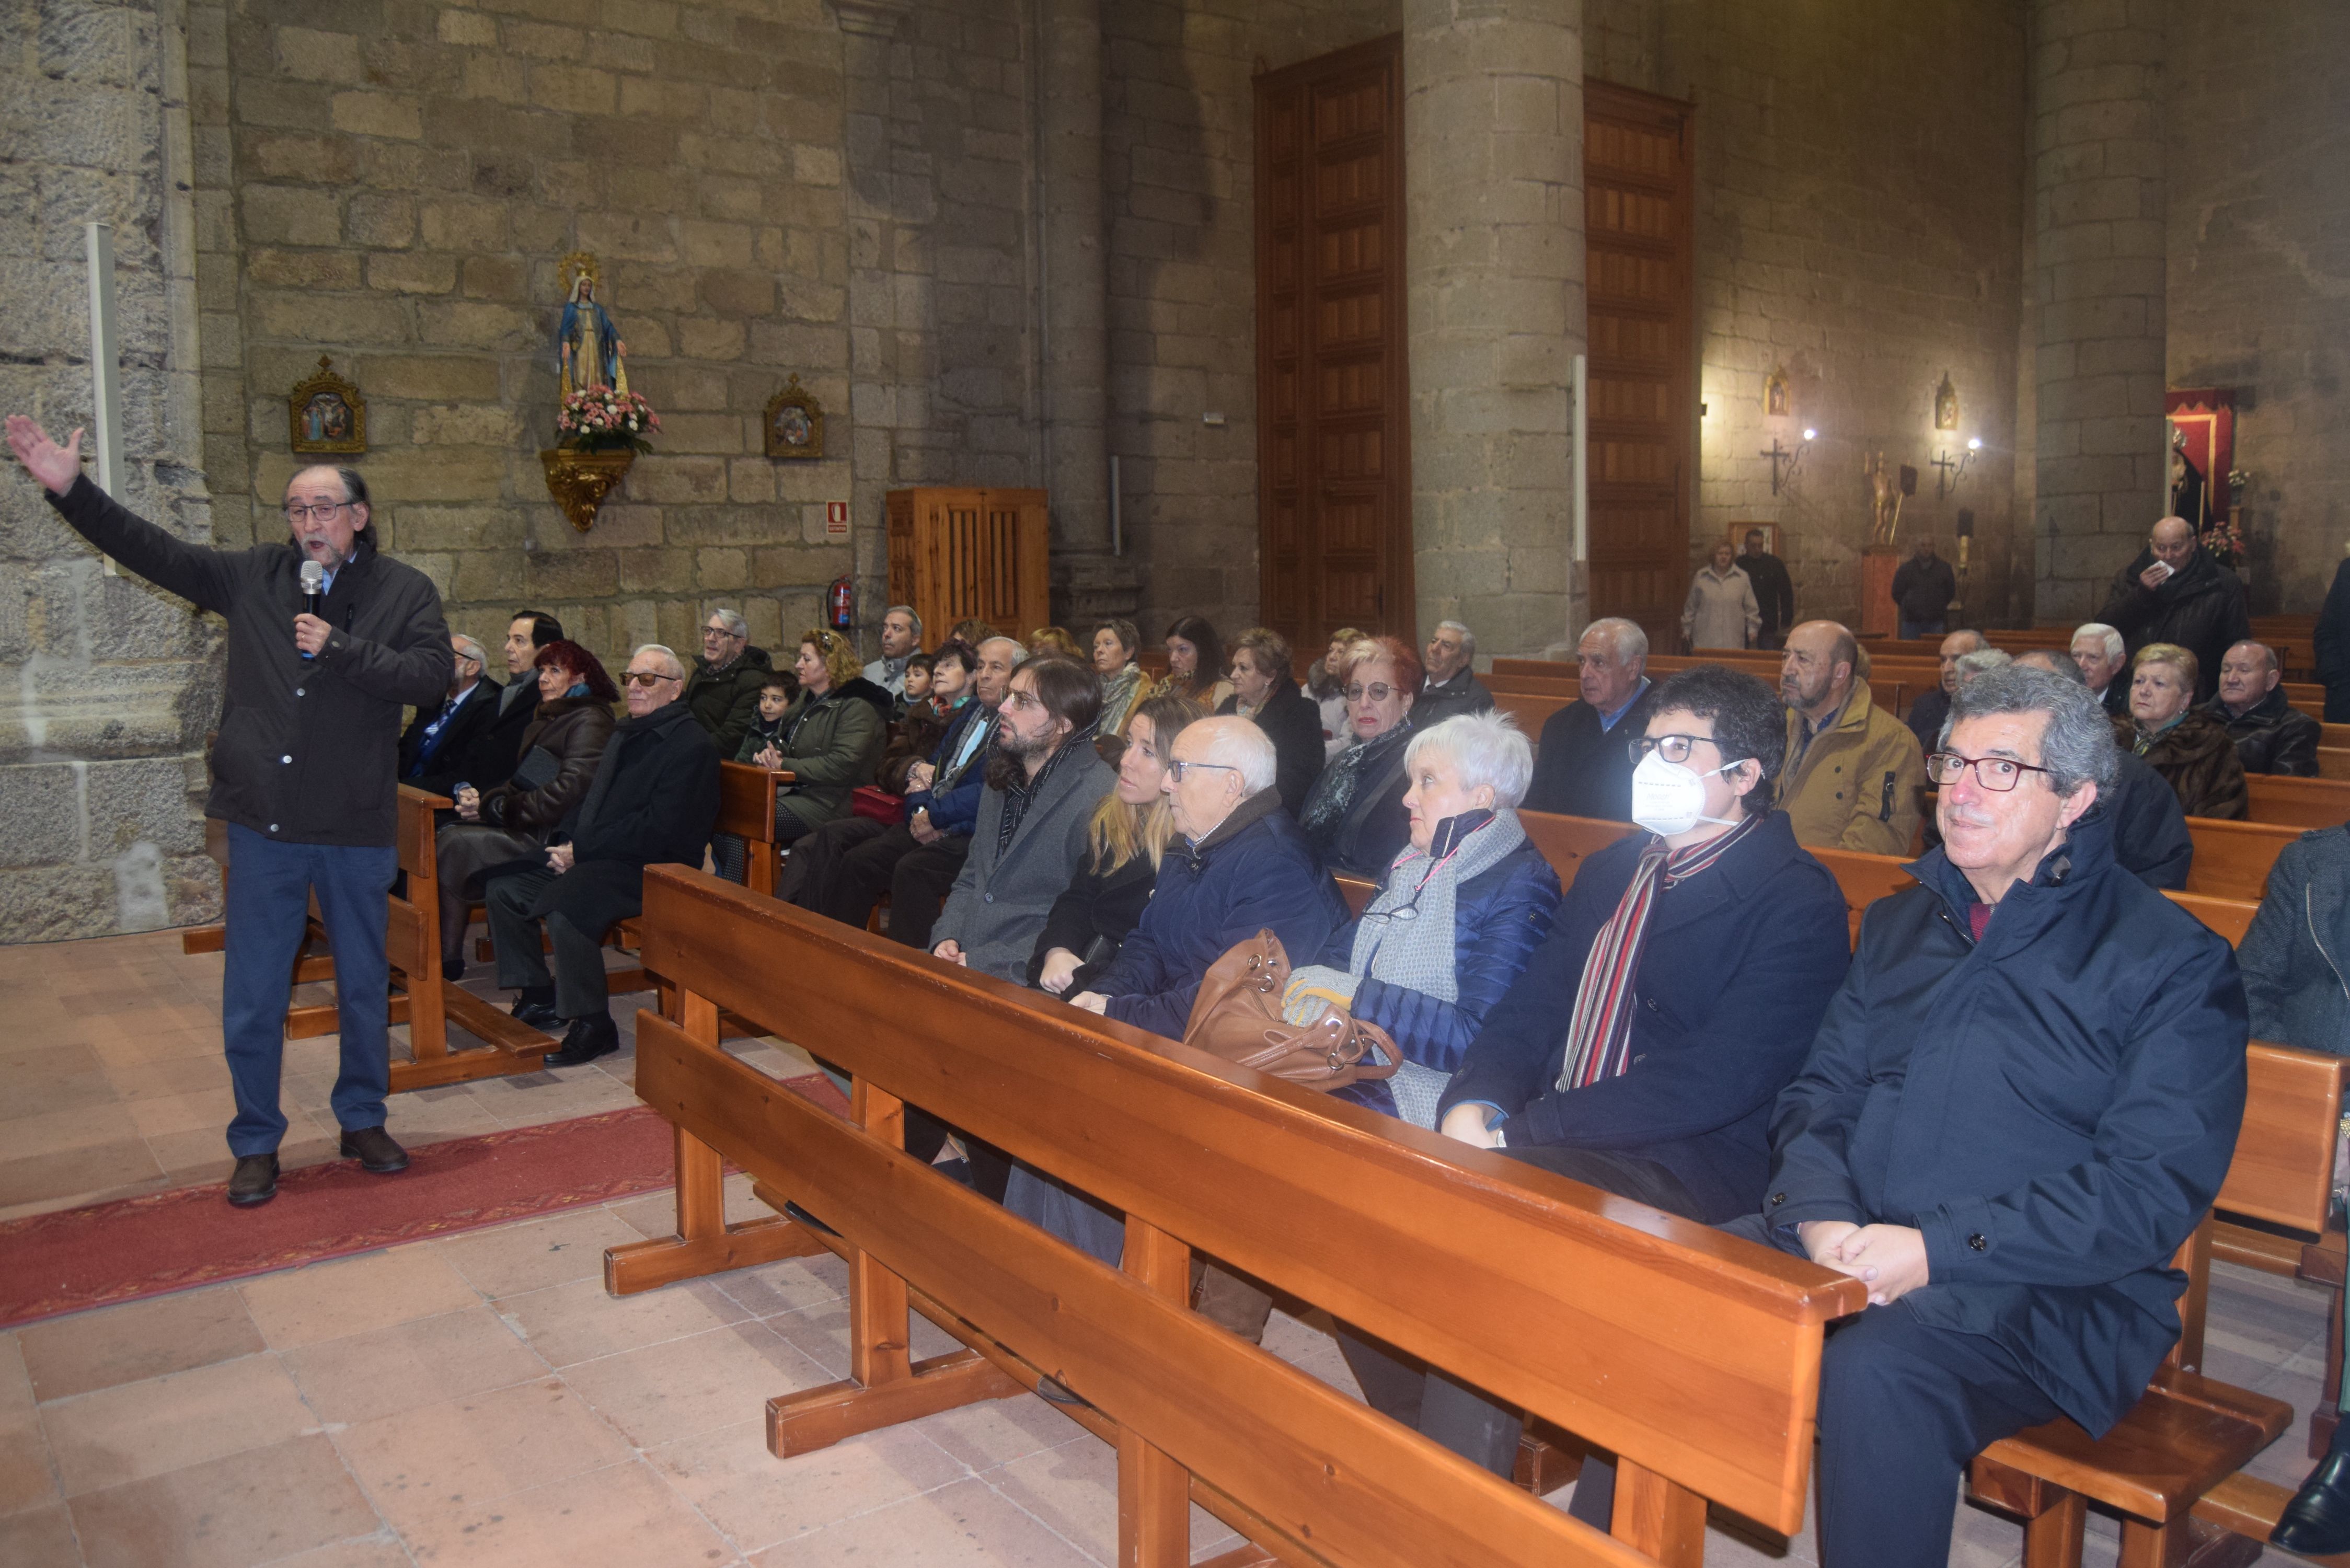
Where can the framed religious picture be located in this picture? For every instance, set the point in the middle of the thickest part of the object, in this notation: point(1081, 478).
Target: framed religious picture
point(1776, 403)
point(326, 413)
point(795, 422)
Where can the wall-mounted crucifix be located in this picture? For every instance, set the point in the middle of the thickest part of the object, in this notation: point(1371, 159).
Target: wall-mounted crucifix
point(1792, 457)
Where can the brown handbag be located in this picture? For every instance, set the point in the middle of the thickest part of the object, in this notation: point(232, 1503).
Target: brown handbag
point(1237, 1016)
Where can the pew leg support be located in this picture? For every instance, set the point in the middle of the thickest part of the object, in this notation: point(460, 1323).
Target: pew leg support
point(649, 1265)
point(1657, 1516)
point(803, 1423)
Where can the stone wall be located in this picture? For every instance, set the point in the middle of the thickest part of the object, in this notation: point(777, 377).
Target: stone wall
point(113, 684)
point(1179, 168)
point(1858, 222)
point(391, 183)
point(2258, 233)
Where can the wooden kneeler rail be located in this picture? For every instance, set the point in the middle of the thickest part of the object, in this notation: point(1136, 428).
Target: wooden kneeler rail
point(1691, 1355)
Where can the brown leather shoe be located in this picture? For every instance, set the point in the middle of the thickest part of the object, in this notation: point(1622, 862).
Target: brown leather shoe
point(375, 1151)
point(255, 1179)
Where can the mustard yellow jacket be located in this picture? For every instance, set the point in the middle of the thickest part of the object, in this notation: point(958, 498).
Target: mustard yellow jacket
point(1859, 785)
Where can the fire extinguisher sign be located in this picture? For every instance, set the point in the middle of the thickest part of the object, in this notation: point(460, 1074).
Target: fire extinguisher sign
point(835, 519)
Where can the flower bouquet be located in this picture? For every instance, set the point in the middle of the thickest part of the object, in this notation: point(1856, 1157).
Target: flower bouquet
point(2225, 541)
point(600, 418)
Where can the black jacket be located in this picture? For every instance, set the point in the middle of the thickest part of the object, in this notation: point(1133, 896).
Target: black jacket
point(1739, 964)
point(1294, 724)
point(2200, 608)
point(1774, 593)
point(653, 803)
point(1464, 693)
point(440, 773)
point(1582, 770)
point(1926, 715)
point(1093, 918)
point(725, 701)
point(573, 732)
point(1365, 838)
point(2272, 736)
point(1922, 590)
point(2053, 1107)
point(489, 758)
point(308, 750)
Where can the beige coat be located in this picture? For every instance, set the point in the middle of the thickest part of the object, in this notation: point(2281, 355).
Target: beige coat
point(1859, 785)
point(1721, 611)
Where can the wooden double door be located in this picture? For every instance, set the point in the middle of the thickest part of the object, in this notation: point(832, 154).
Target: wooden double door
point(1333, 374)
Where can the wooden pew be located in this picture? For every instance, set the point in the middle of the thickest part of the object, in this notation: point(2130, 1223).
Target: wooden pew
point(1693, 1356)
point(2172, 1467)
point(2299, 803)
point(2232, 858)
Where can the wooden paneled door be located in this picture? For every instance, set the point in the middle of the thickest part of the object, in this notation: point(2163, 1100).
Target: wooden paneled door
point(1637, 202)
point(1333, 472)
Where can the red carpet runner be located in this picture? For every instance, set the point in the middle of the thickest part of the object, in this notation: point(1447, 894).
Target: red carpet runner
point(164, 1242)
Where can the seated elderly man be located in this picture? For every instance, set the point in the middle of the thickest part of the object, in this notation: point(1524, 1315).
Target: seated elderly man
point(1450, 685)
point(2020, 1103)
point(1238, 866)
point(1854, 774)
point(1925, 714)
point(2150, 828)
point(1676, 995)
point(2272, 735)
point(1583, 768)
point(2103, 661)
point(654, 801)
point(433, 750)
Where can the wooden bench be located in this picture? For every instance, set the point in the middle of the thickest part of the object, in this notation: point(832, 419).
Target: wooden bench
point(1693, 1356)
point(2299, 803)
point(2173, 1467)
point(2232, 858)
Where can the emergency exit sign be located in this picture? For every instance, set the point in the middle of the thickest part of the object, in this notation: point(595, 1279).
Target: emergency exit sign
point(835, 519)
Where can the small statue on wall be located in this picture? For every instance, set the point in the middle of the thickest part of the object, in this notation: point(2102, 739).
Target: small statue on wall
point(586, 343)
point(1885, 508)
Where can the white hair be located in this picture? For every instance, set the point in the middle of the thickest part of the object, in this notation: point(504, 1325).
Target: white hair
point(1019, 648)
point(676, 665)
point(1468, 638)
point(1625, 636)
point(1487, 748)
point(1981, 662)
point(2111, 639)
point(468, 647)
point(733, 621)
point(1248, 750)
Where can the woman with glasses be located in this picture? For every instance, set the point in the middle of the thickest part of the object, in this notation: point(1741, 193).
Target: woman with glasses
point(510, 821)
point(1354, 817)
point(1125, 841)
point(1263, 690)
point(2188, 747)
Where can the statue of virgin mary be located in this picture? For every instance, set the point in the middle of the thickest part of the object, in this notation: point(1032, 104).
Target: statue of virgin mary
point(586, 343)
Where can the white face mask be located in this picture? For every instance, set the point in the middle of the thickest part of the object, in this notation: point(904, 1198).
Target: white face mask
point(1668, 798)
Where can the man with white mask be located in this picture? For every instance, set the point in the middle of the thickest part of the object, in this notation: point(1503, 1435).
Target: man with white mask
point(1676, 994)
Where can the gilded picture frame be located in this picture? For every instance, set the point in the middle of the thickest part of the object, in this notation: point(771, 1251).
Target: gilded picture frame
point(794, 424)
point(325, 414)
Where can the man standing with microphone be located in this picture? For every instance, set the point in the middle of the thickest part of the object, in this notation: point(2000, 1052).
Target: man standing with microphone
point(328, 640)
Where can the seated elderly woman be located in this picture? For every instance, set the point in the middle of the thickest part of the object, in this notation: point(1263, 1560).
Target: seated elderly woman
point(1461, 911)
point(2189, 748)
point(1354, 815)
point(509, 822)
point(1264, 690)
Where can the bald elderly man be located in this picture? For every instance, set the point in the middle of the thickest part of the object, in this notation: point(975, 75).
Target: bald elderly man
point(2174, 592)
point(2272, 735)
point(1855, 775)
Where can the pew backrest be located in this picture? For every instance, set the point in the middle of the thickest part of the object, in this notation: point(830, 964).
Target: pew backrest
point(2299, 803)
point(2232, 858)
point(1692, 1356)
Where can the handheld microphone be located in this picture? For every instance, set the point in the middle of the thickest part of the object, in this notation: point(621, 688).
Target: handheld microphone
point(313, 587)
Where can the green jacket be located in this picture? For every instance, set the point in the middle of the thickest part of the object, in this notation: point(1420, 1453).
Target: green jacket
point(833, 745)
point(725, 702)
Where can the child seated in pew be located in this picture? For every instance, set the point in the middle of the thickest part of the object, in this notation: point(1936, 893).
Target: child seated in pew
point(776, 694)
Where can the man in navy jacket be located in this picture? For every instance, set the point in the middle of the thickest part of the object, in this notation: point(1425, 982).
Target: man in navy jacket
point(2022, 1101)
point(1238, 866)
point(1744, 945)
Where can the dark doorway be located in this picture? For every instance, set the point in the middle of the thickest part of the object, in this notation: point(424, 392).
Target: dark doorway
point(1638, 206)
point(1333, 472)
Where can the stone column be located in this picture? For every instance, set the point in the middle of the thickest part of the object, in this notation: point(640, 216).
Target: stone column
point(1088, 583)
point(1493, 251)
point(2098, 190)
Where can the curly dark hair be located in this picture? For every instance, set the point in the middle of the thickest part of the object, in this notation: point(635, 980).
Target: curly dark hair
point(580, 665)
point(1747, 719)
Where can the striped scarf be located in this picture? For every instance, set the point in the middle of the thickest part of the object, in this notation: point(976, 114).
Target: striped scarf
point(1599, 1035)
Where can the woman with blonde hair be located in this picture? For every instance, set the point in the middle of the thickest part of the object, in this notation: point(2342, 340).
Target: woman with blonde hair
point(829, 739)
point(1055, 640)
point(1124, 843)
point(2186, 744)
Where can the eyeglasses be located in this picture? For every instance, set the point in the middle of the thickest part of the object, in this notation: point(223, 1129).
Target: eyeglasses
point(646, 678)
point(709, 631)
point(1377, 692)
point(296, 512)
point(1023, 700)
point(1998, 774)
point(1672, 748)
point(1175, 770)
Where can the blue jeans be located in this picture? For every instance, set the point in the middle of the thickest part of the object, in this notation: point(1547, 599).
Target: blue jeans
point(1913, 629)
point(269, 888)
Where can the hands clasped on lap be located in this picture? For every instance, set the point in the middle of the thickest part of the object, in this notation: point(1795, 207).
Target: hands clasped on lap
point(1889, 1258)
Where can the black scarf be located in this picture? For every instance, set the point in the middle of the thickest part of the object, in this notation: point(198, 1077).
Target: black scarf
point(1334, 792)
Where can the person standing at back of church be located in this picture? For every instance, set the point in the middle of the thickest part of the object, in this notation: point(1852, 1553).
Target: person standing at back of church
point(304, 770)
